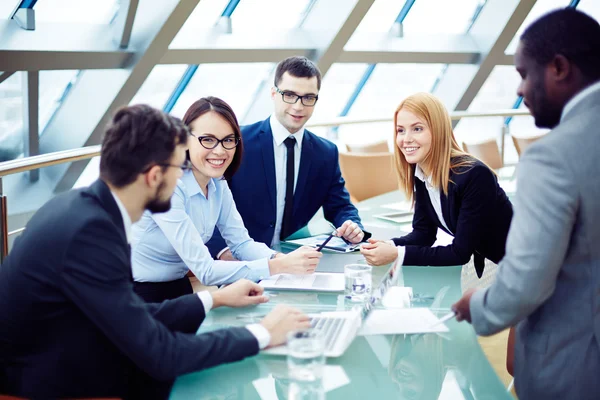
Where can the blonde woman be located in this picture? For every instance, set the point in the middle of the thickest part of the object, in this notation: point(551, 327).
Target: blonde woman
point(450, 189)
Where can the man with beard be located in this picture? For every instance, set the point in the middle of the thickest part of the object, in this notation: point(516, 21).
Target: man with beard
point(71, 325)
point(549, 279)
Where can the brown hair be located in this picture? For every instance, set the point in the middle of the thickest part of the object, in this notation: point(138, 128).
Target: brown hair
point(208, 104)
point(299, 67)
point(136, 138)
point(445, 153)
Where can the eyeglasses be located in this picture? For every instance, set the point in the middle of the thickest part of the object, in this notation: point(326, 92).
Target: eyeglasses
point(186, 166)
point(308, 100)
point(210, 142)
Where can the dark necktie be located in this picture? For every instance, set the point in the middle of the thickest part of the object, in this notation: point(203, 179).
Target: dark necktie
point(286, 224)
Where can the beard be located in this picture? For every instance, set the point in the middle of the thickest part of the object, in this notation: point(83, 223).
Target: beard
point(545, 113)
point(157, 204)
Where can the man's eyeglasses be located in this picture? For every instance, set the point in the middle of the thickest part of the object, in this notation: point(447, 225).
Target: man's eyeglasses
point(308, 100)
point(186, 166)
point(210, 142)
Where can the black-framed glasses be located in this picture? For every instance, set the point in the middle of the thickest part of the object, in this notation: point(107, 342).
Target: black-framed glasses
point(210, 142)
point(186, 166)
point(308, 100)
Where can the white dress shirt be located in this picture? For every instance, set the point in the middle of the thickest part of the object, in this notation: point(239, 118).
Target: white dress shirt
point(166, 245)
point(280, 133)
point(434, 197)
point(261, 333)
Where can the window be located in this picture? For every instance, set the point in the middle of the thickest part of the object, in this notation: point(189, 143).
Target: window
point(11, 118)
point(77, 11)
point(236, 84)
point(159, 85)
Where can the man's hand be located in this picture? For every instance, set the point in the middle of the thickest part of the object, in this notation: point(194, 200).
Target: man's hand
point(351, 232)
point(462, 307)
point(378, 252)
point(303, 260)
point(239, 294)
point(227, 256)
point(282, 320)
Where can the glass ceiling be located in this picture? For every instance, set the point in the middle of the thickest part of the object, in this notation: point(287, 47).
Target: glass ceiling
point(76, 11)
point(243, 84)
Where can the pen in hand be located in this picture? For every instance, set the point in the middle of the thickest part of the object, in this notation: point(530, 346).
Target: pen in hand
point(331, 235)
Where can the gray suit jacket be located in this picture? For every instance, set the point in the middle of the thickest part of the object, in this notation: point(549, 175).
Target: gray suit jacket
point(549, 278)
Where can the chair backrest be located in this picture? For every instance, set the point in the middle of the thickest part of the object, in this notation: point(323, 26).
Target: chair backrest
point(521, 143)
point(368, 175)
point(376, 147)
point(487, 152)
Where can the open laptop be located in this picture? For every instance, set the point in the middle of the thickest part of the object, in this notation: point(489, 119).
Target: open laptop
point(339, 328)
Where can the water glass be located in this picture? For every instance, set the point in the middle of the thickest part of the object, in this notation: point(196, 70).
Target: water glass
point(306, 355)
point(358, 282)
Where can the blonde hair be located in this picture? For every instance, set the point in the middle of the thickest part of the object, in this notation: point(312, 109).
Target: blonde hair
point(445, 153)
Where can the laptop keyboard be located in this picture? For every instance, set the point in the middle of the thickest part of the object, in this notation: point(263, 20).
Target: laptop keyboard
point(330, 327)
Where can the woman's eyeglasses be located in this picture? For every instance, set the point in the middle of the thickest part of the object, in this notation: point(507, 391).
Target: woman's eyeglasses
point(210, 142)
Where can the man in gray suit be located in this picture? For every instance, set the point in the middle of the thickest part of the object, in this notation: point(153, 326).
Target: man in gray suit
point(549, 279)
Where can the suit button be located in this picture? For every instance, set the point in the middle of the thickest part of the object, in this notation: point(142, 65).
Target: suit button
point(272, 225)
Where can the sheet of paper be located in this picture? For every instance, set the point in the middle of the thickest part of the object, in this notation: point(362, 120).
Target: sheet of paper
point(396, 321)
point(398, 206)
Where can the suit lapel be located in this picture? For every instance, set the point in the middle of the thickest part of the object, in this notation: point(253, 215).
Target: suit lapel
point(265, 137)
point(306, 156)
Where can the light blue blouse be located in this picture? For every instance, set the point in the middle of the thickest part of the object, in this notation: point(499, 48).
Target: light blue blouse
point(166, 245)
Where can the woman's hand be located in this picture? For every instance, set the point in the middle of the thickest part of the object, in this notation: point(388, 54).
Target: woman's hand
point(301, 261)
point(378, 252)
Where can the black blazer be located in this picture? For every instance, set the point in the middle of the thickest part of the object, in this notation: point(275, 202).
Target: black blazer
point(70, 323)
point(477, 212)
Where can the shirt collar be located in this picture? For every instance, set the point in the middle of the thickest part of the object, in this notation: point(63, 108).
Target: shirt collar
point(421, 175)
point(578, 98)
point(280, 133)
point(192, 187)
point(125, 216)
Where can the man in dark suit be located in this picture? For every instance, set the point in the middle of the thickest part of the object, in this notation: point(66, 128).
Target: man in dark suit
point(287, 172)
point(70, 323)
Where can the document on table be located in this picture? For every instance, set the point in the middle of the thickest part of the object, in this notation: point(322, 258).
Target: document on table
point(403, 320)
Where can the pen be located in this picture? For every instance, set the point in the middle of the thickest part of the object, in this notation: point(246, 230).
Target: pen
point(320, 247)
point(335, 233)
point(445, 318)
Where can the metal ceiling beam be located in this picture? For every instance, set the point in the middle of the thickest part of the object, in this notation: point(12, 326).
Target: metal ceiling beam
point(31, 117)
point(211, 56)
point(99, 93)
point(493, 30)
point(329, 55)
point(59, 46)
point(123, 24)
point(5, 75)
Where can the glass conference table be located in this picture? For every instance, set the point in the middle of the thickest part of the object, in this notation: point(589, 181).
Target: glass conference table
point(447, 365)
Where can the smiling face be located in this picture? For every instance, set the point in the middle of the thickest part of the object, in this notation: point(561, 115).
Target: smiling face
point(294, 116)
point(211, 163)
point(413, 137)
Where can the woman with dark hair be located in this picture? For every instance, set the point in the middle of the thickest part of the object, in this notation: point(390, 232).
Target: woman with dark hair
point(167, 245)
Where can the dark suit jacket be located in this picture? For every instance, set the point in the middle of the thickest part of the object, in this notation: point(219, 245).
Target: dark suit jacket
point(477, 212)
point(319, 184)
point(70, 323)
